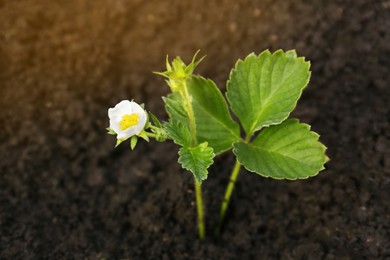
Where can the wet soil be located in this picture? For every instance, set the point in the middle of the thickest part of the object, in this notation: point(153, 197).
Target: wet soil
point(65, 193)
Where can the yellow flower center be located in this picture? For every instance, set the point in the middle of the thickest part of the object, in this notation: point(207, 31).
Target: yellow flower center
point(128, 121)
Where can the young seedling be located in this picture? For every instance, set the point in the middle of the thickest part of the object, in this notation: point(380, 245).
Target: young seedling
point(262, 91)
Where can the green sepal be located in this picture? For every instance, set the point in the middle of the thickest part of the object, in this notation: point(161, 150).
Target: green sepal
point(148, 124)
point(178, 69)
point(110, 131)
point(179, 72)
point(285, 151)
point(155, 121)
point(197, 160)
point(119, 141)
point(143, 135)
point(133, 142)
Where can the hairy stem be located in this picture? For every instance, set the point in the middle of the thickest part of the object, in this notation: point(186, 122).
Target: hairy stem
point(198, 187)
point(190, 112)
point(199, 205)
point(228, 194)
point(151, 134)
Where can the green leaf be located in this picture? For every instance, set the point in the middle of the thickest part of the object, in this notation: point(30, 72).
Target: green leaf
point(197, 159)
point(213, 121)
point(286, 151)
point(175, 109)
point(212, 118)
point(178, 132)
point(263, 90)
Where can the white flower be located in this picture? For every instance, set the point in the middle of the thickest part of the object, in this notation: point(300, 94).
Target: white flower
point(127, 119)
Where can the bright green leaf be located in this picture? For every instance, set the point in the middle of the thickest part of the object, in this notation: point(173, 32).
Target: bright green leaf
point(197, 159)
point(175, 109)
point(263, 90)
point(213, 121)
point(286, 151)
point(178, 132)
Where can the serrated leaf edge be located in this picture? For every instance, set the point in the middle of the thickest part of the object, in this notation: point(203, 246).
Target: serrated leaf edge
point(252, 54)
point(226, 107)
point(317, 136)
point(202, 145)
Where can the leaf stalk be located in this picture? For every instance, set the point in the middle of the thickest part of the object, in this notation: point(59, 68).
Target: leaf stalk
point(228, 194)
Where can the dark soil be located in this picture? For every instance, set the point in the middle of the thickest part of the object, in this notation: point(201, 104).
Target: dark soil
point(65, 193)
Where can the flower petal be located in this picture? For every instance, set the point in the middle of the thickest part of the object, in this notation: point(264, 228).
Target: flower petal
point(125, 107)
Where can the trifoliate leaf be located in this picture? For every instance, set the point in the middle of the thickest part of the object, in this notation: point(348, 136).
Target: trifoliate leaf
point(286, 151)
point(178, 132)
point(263, 90)
point(213, 121)
point(197, 159)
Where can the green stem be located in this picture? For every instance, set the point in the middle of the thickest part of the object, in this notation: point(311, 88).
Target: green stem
point(229, 190)
point(190, 112)
point(199, 205)
point(198, 187)
point(228, 194)
point(150, 134)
